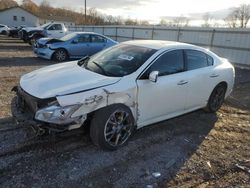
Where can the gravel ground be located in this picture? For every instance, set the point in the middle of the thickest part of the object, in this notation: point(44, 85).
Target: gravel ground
point(195, 150)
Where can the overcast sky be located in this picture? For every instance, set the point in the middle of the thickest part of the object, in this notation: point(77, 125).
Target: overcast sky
point(151, 10)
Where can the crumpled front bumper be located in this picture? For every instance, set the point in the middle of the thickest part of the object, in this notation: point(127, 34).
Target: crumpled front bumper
point(45, 53)
point(25, 106)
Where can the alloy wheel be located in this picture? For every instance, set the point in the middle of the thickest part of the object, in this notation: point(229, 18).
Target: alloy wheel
point(118, 128)
point(61, 55)
point(218, 98)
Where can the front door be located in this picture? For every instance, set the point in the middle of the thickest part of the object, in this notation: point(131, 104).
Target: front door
point(167, 97)
point(55, 31)
point(80, 46)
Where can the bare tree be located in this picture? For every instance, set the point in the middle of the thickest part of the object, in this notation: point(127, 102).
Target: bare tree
point(239, 17)
point(231, 19)
point(92, 16)
point(110, 19)
point(207, 19)
point(244, 15)
point(30, 6)
point(166, 22)
point(119, 20)
point(143, 22)
point(181, 21)
point(45, 3)
point(129, 21)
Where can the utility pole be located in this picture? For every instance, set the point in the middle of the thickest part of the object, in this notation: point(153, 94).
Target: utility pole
point(85, 12)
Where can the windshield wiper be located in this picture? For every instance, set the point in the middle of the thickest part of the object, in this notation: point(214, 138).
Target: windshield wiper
point(100, 67)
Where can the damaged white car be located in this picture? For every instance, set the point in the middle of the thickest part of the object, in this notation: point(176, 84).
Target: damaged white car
point(123, 88)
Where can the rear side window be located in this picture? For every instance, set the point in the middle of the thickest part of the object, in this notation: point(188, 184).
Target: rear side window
point(195, 59)
point(210, 61)
point(97, 39)
point(169, 63)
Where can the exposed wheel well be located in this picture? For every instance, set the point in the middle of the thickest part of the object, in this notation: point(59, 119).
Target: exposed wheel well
point(91, 114)
point(224, 84)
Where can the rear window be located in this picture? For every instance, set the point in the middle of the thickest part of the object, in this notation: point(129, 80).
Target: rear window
point(196, 59)
point(210, 61)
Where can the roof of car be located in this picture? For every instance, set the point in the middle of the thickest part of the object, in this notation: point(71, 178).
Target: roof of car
point(156, 44)
point(85, 32)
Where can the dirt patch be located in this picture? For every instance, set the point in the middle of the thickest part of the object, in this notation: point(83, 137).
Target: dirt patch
point(195, 150)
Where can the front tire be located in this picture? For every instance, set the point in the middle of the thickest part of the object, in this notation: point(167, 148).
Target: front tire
point(216, 99)
point(60, 55)
point(111, 127)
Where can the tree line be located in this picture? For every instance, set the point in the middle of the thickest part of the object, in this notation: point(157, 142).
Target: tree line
point(238, 17)
point(93, 17)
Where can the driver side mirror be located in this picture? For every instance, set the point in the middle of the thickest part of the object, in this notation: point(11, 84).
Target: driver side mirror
point(153, 76)
point(75, 41)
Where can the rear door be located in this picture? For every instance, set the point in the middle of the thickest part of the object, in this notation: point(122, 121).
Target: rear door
point(202, 78)
point(97, 43)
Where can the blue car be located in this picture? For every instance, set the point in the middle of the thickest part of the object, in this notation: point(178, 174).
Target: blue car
point(72, 46)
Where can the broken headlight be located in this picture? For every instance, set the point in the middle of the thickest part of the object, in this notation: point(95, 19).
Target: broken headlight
point(57, 114)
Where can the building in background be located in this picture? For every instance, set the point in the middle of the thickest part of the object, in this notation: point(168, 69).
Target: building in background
point(17, 16)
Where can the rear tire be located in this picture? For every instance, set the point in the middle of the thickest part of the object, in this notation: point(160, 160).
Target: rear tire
point(60, 55)
point(216, 99)
point(111, 127)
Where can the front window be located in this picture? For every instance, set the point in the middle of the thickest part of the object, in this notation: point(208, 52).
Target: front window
point(55, 27)
point(196, 59)
point(119, 61)
point(169, 63)
point(83, 38)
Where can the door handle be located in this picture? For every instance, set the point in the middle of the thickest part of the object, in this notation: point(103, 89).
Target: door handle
point(61, 32)
point(214, 75)
point(182, 82)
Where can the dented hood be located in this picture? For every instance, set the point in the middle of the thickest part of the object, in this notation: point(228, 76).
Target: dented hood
point(62, 79)
point(48, 41)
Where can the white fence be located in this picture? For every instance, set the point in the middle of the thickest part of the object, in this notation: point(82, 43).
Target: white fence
point(233, 44)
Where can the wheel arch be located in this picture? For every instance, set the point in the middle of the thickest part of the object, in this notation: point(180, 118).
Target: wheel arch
point(114, 104)
point(223, 83)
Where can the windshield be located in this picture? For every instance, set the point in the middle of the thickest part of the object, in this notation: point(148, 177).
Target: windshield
point(120, 60)
point(68, 37)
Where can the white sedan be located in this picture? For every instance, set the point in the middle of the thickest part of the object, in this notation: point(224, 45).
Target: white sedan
point(4, 29)
point(125, 87)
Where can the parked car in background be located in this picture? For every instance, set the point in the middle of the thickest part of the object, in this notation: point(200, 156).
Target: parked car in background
point(13, 31)
point(72, 46)
point(52, 30)
point(4, 29)
point(125, 87)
